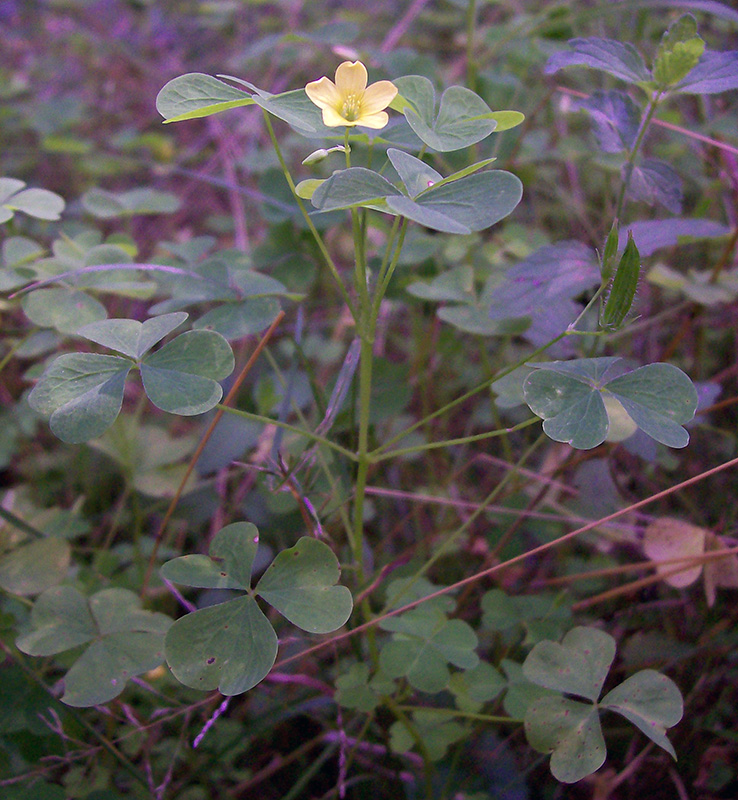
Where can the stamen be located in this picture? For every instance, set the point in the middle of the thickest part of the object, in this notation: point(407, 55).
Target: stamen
point(351, 108)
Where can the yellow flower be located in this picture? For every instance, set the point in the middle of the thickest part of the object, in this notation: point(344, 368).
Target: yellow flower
point(349, 101)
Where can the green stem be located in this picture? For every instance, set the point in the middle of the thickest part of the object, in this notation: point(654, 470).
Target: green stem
point(630, 163)
point(477, 437)
point(471, 64)
point(462, 398)
point(292, 428)
point(318, 238)
point(366, 363)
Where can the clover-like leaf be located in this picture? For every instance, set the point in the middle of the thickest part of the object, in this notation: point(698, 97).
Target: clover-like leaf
point(437, 733)
point(182, 377)
point(300, 584)
point(35, 566)
point(463, 117)
point(471, 203)
point(39, 203)
point(571, 732)
point(651, 701)
point(425, 641)
point(477, 686)
point(232, 553)
point(198, 95)
point(579, 665)
point(232, 646)
point(568, 395)
point(82, 393)
point(143, 200)
point(129, 336)
point(62, 308)
point(124, 639)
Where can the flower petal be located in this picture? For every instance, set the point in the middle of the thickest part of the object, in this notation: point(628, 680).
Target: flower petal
point(351, 78)
point(378, 96)
point(324, 93)
point(376, 121)
point(332, 119)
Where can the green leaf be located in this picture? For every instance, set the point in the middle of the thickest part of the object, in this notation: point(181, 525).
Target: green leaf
point(232, 553)
point(414, 173)
point(520, 691)
point(230, 647)
point(125, 640)
point(506, 120)
point(570, 404)
point(425, 641)
point(579, 665)
point(477, 686)
point(35, 567)
point(63, 309)
point(182, 377)
point(468, 204)
point(454, 284)
point(436, 732)
point(651, 701)
point(353, 690)
point(300, 584)
point(571, 732)
point(82, 393)
point(351, 187)
point(296, 109)
point(38, 203)
point(415, 92)
point(659, 398)
point(105, 205)
point(198, 95)
point(238, 319)
point(130, 337)
point(679, 52)
point(463, 119)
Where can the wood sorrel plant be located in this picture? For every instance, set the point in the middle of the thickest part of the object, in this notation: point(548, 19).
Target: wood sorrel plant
point(387, 172)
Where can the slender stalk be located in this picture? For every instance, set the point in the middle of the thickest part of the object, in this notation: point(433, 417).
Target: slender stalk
point(471, 64)
point(313, 437)
point(630, 163)
point(477, 437)
point(366, 363)
point(308, 221)
point(462, 398)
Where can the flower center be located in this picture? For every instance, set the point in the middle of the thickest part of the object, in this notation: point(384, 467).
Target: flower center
point(351, 108)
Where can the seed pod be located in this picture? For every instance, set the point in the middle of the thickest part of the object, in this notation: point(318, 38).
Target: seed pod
point(611, 250)
point(623, 288)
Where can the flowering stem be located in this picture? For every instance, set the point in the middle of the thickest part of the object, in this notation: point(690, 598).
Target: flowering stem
point(318, 238)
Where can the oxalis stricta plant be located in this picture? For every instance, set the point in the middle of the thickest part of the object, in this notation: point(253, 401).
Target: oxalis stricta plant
point(418, 671)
